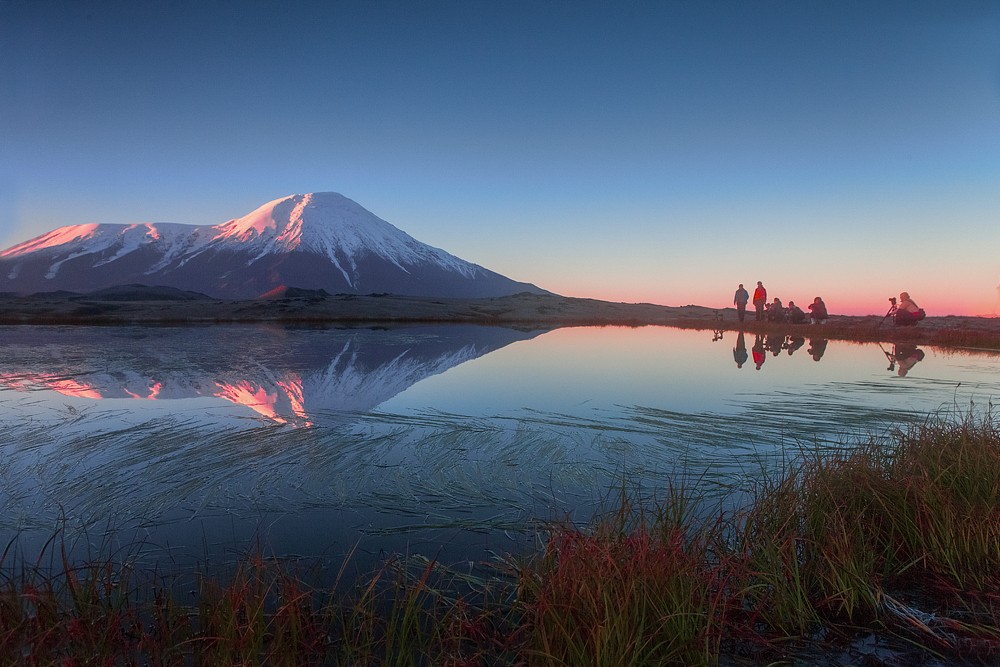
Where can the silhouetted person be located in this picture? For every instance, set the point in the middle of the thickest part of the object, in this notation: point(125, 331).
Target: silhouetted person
point(740, 301)
point(740, 351)
point(908, 313)
point(759, 355)
point(817, 346)
point(776, 313)
point(793, 343)
point(795, 314)
point(759, 299)
point(817, 311)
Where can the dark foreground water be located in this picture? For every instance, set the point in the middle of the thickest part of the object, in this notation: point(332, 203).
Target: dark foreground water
point(448, 441)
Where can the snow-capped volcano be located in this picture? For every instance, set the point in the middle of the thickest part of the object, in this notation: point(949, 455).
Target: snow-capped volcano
point(315, 241)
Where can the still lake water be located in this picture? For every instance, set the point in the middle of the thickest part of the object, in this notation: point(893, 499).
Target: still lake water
point(449, 441)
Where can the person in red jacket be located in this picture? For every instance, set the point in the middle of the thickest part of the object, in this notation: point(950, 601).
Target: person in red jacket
point(759, 299)
point(759, 354)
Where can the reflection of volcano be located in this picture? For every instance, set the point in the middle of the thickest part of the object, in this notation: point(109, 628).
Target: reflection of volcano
point(283, 375)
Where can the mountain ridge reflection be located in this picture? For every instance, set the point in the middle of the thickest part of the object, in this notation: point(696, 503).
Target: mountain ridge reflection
point(281, 375)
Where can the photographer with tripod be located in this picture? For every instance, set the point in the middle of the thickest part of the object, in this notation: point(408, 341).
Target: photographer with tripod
point(906, 313)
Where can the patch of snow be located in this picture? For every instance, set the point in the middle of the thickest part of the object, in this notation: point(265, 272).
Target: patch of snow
point(132, 238)
point(53, 239)
point(331, 225)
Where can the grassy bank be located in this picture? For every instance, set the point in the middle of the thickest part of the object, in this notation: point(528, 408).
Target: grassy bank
point(897, 537)
point(517, 311)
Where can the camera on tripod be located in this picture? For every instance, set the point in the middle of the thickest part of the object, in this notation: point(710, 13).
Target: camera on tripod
point(892, 300)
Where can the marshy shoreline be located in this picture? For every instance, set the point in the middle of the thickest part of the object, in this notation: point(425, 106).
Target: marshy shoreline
point(136, 305)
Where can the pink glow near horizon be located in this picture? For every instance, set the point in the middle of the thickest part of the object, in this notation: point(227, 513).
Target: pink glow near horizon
point(938, 301)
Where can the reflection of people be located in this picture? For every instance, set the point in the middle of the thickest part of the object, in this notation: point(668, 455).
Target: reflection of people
point(795, 314)
point(775, 343)
point(905, 356)
point(908, 313)
point(817, 346)
point(740, 301)
point(740, 351)
point(759, 357)
point(817, 311)
point(759, 299)
point(793, 343)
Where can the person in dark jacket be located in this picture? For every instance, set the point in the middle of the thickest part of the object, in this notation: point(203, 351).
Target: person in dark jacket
point(795, 314)
point(776, 312)
point(740, 301)
point(817, 311)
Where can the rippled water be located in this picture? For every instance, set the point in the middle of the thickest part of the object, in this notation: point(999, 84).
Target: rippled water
point(444, 440)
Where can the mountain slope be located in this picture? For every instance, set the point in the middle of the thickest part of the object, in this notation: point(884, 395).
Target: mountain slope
point(313, 241)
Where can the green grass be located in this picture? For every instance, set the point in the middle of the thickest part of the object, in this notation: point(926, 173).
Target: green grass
point(898, 535)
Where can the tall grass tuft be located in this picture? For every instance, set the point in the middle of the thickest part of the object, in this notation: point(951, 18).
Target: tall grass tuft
point(641, 587)
point(840, 536)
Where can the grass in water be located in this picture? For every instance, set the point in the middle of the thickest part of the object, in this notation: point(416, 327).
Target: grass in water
point(898, 536)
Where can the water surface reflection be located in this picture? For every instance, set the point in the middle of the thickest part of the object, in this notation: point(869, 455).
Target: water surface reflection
point(446, 440)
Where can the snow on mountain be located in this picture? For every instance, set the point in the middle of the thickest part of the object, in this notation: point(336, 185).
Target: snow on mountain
point(333, 226)
point(315, 241)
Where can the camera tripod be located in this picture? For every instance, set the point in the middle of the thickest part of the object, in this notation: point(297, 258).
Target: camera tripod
point(891, 311)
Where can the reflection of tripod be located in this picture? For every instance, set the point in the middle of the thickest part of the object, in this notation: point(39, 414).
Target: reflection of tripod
point(890, 357)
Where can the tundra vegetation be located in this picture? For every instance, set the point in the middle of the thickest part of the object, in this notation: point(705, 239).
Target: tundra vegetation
point(895, 537)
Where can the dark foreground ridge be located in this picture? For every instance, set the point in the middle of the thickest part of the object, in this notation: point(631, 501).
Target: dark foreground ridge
point(139, 304)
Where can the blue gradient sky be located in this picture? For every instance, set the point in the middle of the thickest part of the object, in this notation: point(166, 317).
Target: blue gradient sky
point(648, 151)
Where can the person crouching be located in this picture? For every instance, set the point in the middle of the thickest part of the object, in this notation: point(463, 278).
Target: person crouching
point(908, 313)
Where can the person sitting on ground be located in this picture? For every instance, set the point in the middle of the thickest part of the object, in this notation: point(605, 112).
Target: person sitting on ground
point(776, 313)
point(795, 314)
point(908, 313)
point(817, 311)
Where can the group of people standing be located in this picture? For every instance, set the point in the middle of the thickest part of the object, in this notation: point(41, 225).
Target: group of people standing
point(775, 311)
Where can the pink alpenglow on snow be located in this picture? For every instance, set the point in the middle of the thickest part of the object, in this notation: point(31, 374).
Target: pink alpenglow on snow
point(312, 241)
point(54, 239)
